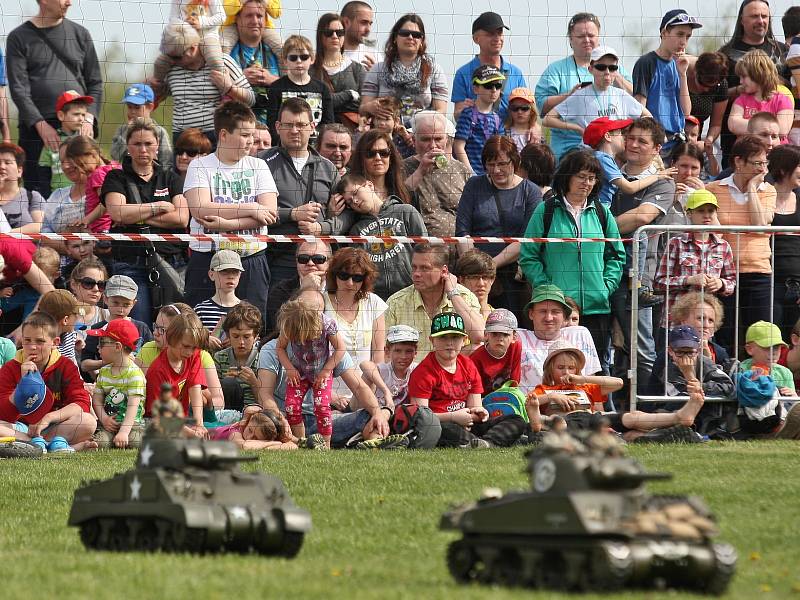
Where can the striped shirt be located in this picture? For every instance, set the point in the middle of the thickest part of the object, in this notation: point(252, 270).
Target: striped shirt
point(212, 315)
point(196, 98)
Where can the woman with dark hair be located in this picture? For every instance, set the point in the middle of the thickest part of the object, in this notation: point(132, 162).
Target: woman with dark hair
point(191, 144)
point(500, 203)
point(376, 158)
point(342, 75)
point(784, 167)
point(358, 312)
point(537, 163)
point(407, 72)
point(589, 272)
point(688, 159)
point(708, 91)
point(23, 209)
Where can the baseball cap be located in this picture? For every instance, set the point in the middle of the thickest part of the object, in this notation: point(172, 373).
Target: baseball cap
point(522, 93)
point(120, 330)
point(139, 93)
point(445, 323)
point(678, 16)
point(501, 320)
point(72, 96)
point(602, 51)
point(30, 395)
point(560, 346)
point(487, 74)
point(121, 285)
point(549, 292)
point(692, 119)
point(595, 130)
point(683, 336)
point(401, 333)
point(226, 259)
point(699, 198)
point(764, 334)
point(488, 21)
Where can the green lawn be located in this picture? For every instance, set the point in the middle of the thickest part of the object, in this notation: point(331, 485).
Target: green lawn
point(375, 532)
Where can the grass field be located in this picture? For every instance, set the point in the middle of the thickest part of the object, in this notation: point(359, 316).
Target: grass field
point(375, 532)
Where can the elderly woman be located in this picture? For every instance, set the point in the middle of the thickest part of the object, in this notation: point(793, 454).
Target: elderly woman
point(407, 72)
point(134, 198)
point(587, 271)
point(746, 199)
point(500, 203)
point(190, 144)
point(376, 158)
point(356, 309)
point(23, 209)
point(342, 75)
point(196, 89)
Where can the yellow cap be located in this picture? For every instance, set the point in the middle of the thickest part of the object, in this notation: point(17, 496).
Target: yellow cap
point(765, 335)
point(700, 197)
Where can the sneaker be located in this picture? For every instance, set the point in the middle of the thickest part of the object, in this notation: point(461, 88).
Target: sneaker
point(395, 441)
point(477, 443)
point(59, 445)
point(316, 442)
point(677, 434)
point(39, 442)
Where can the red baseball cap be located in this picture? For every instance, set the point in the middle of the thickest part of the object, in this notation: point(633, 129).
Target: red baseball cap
point(693, 119)
point(72, 96)
point(120, 330)
point(595, 130)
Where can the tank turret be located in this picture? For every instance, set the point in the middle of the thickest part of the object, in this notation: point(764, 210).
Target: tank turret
point(588, 523)
point(189, 495)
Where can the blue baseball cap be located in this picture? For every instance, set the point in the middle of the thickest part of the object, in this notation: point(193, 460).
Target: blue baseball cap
point(30, 396)
point(683, 336)
point(139, 93)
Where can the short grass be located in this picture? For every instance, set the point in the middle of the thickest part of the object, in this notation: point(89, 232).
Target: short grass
point(375, 532)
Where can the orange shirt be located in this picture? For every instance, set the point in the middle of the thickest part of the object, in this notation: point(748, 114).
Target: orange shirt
point(592, 391)
point(751, 251)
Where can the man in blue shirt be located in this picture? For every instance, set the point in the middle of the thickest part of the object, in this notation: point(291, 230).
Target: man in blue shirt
point(488, 34)
point(659, 77)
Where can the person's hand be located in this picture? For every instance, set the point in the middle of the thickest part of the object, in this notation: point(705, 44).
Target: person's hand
point(109, 423)
point(264, 215)
point(321, 378)
point(700, 280)
point(79, 345)
point(713, 284)
point(668, 173)
point(27, 367)
point(87, 129)
point(312, 281)
point(682, 63)
point(685, 364)
point(194, 21)
point(6, 292)
point(565, 403)
point(309, 227)
point(78, 226)
point(479, 413)
point(695, 183)
point(214, 222)
point(368, 61)
point(221, 80)
point(161, 207)
point(121, 439)
point(378, 424)
point(292, 376)
point(256, 75)
point(462, 417)
point(449, 280)
point(382, 112)
point(247, 375)
point(785, 391)
point(37, 428)
point(339, 402)
point(573, 379)
point(428, 160)
point(755, 182)
point(534, 136)
point(708, 145)
point(307, 212)
point(198, 431)
point(214, 343)
point(48, 134)
point(336, 205)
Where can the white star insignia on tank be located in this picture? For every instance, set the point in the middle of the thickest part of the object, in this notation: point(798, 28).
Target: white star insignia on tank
point(237, 512)
point(146, 455)
point(136, 486)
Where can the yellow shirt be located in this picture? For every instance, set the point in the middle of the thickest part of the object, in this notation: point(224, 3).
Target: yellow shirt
point(406, 308)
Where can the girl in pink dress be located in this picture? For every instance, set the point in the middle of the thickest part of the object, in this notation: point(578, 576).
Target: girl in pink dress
point(85, 153)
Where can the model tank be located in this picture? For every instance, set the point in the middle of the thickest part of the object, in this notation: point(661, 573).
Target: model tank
point(189, 495)
point(588, 523)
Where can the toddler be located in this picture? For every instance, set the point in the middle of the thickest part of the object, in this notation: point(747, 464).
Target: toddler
point(523, 118)
point(258, 430)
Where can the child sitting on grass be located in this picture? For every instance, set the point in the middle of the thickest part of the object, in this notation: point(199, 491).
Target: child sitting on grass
point(237, 365)
point(259, 429)
point(390, 379)
point(499, 359)
point(118, 397)
point(64, 308)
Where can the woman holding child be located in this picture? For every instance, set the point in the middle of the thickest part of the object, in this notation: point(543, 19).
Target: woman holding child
point(376, 158)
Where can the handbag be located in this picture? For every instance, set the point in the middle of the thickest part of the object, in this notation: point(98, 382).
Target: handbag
point(166, 282)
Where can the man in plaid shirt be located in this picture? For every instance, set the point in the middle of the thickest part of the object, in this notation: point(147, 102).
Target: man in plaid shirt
point(699, 259)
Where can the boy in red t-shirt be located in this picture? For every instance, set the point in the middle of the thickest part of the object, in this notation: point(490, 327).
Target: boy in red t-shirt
point(180, 366)
point(500, 358)
point(57, 415)
point(450, 385)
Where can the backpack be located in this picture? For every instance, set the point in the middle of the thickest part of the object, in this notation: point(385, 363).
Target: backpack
point(420, 426)
point(474, 121)
point(506, 400)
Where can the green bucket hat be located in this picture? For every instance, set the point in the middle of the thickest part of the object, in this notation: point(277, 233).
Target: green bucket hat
point(549, 292)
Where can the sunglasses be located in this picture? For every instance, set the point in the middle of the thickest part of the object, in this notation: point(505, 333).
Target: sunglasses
point(611, 68)
point(317, 259)
point(298, 57)
point(417, 35)
point(333, 32)
point(521, 108)
point(383, 153)
point(344, 276)
point(189, 153)
point(494, 85)
point(88, 283)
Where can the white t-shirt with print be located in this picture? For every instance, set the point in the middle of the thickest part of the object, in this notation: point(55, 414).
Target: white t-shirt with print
point(534, 353)
point(396, 385)
point(238, 183)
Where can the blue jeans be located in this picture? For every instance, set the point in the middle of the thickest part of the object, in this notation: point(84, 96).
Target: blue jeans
point(143, 309)
point(646, 347)
point(345, 425)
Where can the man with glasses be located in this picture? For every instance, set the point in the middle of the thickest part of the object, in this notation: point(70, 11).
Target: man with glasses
point(488, 35)
point(660, 77)
point(304, 179)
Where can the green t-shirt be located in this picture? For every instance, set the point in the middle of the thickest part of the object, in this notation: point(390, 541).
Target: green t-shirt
point(119, 388)
point(780, 375)
point(50, 158)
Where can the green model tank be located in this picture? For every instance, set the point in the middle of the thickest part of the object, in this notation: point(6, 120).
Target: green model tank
point(588, 523)
point(189, 496)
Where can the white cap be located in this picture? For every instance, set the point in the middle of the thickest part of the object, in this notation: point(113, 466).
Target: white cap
point(401, 333)
point(602, 51)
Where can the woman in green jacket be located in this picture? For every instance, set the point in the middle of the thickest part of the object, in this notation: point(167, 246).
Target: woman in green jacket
point(587, 271)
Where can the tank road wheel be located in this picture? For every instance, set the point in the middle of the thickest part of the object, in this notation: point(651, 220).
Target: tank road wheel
point(724, 568)
point(118, 537)
point(461, 559)
point(506, 568)
point(291, 544)
point(90, 533)
point(144, 535)
point(196, 541)
point(611, 566)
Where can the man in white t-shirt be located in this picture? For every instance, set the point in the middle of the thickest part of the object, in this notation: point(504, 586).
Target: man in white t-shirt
point(230, 192)
point(548, 311)
point(357, 18)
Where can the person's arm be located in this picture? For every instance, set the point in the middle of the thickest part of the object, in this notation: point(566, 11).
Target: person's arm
point(214, 388)
point(715, 123)
point(232, 83)
point(508, 255)
point(760, 215)
point(439, 106)
point(682, 64)
point(127, 214)
point(292, 374)
point(38, 280)
point(379, 415)
point(378, 345)
point(644, 214)
point(473, 319)
point(98, 404)
point(372, 377)
point(5, 128)
point(196, 408)
point(637, 185)
point(97, 212)
point(173, 219)
point(32, 227)
point(736, 121)
point(553, 120)
point(339, 350)
point(607, 384)
point(121, 439)
point(460, 152)
point(785, 119)
point(201, 206)
point(55, 417)
point(265, 390)
point(460, 417)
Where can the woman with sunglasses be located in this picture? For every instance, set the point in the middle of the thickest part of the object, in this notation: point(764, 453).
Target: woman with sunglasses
point(88, 282)
point(342, 75)
point(190, 144)
point(376, 158)
point(407, 72)
point(358, 312)
point(599, 98)
point(708, 91)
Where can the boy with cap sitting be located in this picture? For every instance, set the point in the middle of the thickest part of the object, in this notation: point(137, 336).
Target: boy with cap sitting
point(139, 101)
point(449, 384)
point(499, 359)
point(118, 397)
point(42, 398)
point(479, 122)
